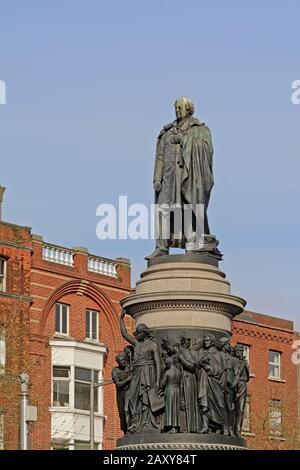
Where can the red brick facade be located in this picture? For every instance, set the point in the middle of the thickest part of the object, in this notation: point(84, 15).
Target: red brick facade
point(15, 250)
point(34, 286)
point(263, 333)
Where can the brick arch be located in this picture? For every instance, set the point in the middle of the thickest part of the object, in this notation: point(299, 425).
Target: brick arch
point(93, 292)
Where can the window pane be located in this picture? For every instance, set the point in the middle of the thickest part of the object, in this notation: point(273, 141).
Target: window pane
point(1, 267)
point(274, 371)
point(82, 374)
point(84, 445)
point(96, 399)
point(61, 371)
point(60, 393)
point(57, 316)
point(274, 357)
point(94, 325)
point(82, 396)
point(64, 321)
point(2, 353)
point(87, 324)
point(275, 417)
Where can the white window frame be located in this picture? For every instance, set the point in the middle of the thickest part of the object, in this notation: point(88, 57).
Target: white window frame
point(275, 364)
point(87, 383)
point(60, 318)
point(3, 275)
point(90, 312)
point(275, 413)
point(2, 352)
point(61, 379)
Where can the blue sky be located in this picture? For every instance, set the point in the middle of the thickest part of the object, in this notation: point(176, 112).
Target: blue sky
point(89, 85)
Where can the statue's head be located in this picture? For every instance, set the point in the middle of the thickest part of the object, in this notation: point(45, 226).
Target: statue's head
point(224, 344)
point(185, 341)
point(184, 107)
point(239, 351)
point(208, 341)
point(141, 332)
point(198, 343)
point(121, 360)
point(128, 351)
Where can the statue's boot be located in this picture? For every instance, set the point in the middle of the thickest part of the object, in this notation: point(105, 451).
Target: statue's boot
point(161, 248)
point(204, 429)
point(157, 252)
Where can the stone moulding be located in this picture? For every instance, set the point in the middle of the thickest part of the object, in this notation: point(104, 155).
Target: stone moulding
point(180, 447)
point(209, 306)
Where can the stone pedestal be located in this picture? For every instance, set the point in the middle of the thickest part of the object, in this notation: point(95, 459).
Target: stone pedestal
point(179, 293)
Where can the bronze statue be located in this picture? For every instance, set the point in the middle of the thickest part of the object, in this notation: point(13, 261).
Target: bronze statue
point(121, 376)
point(212, 387)
point(241, 392)
point(183, 180)
point(144, 401)
point(189, 386)
point(230, 382)
point(170, 385)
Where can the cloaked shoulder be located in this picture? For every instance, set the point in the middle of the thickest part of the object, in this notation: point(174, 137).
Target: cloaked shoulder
point(166, 128)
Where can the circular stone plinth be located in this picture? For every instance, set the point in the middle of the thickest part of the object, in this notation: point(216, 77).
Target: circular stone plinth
point(206, 258)
point(180, 441)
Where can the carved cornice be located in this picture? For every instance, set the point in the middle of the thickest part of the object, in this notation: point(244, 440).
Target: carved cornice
point(208, 306)
point(263, 335)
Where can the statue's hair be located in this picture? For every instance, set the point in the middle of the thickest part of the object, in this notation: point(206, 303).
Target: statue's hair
point(189, 105)
point(146, 330)
point(210, 336)
point(119, 356)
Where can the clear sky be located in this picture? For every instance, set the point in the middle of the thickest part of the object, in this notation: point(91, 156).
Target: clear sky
point(89, 85)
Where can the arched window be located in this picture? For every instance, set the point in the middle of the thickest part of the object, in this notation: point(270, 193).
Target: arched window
point(3, 274)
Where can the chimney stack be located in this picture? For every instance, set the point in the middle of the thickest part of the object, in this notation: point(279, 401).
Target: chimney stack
point(2, 189)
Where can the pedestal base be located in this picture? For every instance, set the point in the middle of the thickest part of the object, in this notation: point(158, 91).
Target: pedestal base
point(163, 441)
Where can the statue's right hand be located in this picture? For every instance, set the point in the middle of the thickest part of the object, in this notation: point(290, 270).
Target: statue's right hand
point(157, 186)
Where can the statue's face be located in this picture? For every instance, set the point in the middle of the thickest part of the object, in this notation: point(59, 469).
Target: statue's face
point(122, 361)
point(239, 351)
point(139, 334)
point(208, 342)
point(180, 109)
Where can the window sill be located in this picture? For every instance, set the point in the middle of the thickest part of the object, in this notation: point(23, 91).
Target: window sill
point(67, 409)
point(92, 341)
point(248, 434)
point(277, 438)
point(275, 379)
point(62, 336)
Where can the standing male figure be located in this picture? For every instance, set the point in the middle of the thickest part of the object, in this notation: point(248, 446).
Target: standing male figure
point(121, 376)
point(183, 179)
point(241, 392)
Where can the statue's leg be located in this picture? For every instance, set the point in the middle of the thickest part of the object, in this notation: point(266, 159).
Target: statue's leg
point(162, 231)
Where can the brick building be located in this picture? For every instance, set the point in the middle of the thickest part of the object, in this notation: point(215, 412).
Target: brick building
point(59, 311)
point(74, 330)
point(271, 418)
point(15, 300)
